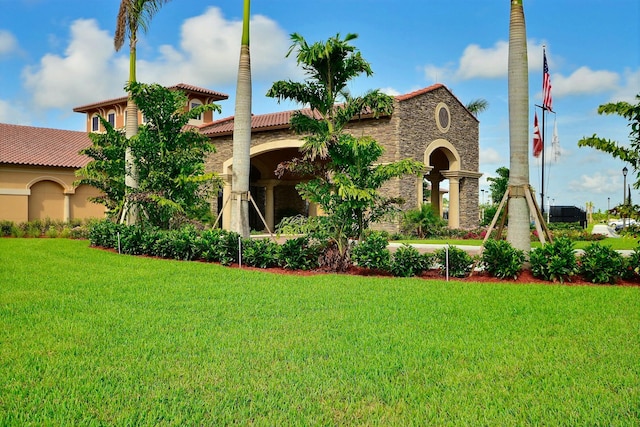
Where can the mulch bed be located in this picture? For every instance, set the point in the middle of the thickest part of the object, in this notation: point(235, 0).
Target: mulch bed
point(525, 277)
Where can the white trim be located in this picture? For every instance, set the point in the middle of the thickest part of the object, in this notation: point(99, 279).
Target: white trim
point(14, 192)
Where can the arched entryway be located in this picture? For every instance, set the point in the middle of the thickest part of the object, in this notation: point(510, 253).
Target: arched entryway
point(275, 197)
point(443, 163)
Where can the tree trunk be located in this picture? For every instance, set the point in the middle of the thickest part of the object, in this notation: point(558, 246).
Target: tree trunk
point(518, 230)
point(242, 136)
point(130, 214)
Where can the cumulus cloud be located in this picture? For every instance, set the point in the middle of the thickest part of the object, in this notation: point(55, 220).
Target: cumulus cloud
point(85, 73)
point(209, 50)
point(584, 81)
point(10, 113)
point(389, 91)
point(477, 62)
point(629, 89)
point(207, 55)
point(491, 156)
point(596, 183)
point(8, 43)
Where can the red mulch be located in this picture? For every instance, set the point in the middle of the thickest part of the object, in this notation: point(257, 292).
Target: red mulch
point(525, 276)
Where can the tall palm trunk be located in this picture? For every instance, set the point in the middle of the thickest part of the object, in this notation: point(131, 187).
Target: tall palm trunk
point(242, 135)
point(518, 230)
point(131, 129)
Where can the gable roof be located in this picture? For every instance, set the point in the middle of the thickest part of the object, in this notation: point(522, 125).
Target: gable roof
point(214, 95)
point(281, 120)
point(28, 145)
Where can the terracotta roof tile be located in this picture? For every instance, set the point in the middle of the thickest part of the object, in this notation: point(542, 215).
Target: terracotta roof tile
point(281, 119)
point(216, 96)
point(27, 145)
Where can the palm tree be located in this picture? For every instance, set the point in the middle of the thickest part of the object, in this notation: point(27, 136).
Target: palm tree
point(518, 230)
point(242, 134)
point(477, 106)
point(133, 14)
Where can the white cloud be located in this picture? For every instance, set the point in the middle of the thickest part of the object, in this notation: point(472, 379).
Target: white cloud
point(596, 183)
point(584, 81)
point(389, 91)
point(87, 72)
point(477, 62)
point(10, 113)
point(207, 55)
point(8, 43)
point(491, 156)
point(209, 50)
point(631, 87)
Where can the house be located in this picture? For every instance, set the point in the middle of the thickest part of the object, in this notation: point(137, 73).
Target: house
point(37, 174)
point(430, 125)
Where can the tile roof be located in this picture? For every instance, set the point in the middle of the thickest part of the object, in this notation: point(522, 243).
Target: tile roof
point(216, 96)
point(27, 145)
point(281, 120)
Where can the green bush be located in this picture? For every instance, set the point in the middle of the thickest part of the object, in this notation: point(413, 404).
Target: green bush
point(262, 253)
point(218, 245)
point(600, 264)
point(460, 263)
point(372, 252)
point(502, 260)
point(632, 265)
point(6, 228)
point(299, 254)
point(104, 234)
point(422, 222)
point(407, 261)
point(554, 261)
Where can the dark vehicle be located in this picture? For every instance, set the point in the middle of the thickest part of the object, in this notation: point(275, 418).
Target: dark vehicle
point(568, 214)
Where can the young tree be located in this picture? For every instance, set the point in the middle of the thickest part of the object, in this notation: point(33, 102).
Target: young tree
point(173, 185)
point(345, 179)
point(499, 184)
point(242, 134)
point(106, 171)
point(518, 231)
point(132, 15)
point(630, 154)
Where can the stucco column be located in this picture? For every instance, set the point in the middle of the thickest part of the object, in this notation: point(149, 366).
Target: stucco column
point(226, 201)
point(269, 208)
point(67, 208)
point(454, 202)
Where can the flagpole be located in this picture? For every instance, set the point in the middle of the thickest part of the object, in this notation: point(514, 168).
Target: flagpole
point(542, 137)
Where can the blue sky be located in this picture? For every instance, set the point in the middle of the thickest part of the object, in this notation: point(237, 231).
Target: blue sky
point(58, 54)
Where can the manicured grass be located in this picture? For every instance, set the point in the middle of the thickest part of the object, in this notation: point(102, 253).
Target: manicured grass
point(89, 337)
point(620, 243)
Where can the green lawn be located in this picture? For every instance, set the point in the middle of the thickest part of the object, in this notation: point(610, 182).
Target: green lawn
point(621, 243)
point(89, 337)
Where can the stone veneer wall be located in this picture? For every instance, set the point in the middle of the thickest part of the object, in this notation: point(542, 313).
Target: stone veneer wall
point(406, 134)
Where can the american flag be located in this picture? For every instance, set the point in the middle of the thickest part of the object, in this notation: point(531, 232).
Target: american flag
point(537, 138)
point(546, 85)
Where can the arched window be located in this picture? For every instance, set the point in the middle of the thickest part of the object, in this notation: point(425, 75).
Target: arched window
point(95, 123)
point(194, 103)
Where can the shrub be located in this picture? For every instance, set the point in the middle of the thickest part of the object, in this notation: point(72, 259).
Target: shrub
point(422, 222)
point(501, 259)
point(554, 261)
point(52, 232)
point(6, 228)
point(299, 254)
point(104, 234)
point(460, 263)
point(218, 246)
point(262, 253)
point(185, 246)
point(372, 252)
point(601, 264)
point(632, 265)
point(407, 261)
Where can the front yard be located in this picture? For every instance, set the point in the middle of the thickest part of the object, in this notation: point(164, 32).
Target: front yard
point(89, 337)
